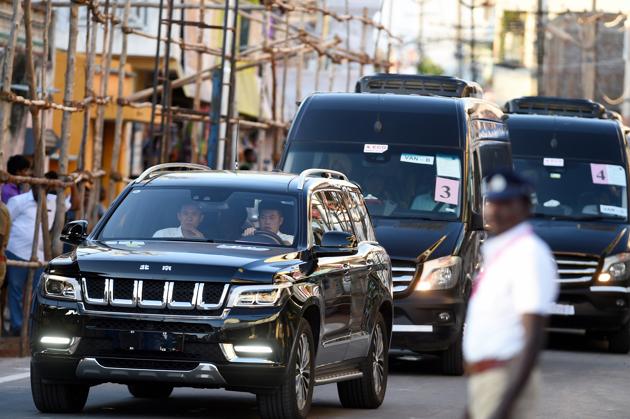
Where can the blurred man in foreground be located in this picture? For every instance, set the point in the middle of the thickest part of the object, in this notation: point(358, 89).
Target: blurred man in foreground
point(511, 298)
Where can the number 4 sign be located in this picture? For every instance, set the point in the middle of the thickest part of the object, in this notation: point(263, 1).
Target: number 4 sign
point(608, 174)
point(446, 190)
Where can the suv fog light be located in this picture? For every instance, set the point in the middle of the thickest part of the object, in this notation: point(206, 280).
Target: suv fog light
point(444, 316)
point(253, 349)
point(55, 340)
point(603, 277)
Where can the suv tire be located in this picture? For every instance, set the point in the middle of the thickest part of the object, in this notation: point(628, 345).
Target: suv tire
point(619, 343)
point(453, 358)
point(293, 398)
point(368, 391)
point(57, 398)
point(150, 390)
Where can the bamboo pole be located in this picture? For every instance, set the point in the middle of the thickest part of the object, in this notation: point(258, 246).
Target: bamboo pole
point(118, 125)
point(363, 41)
point(106, 61)
point(300, 65)
point(66, 127)
point(320, 58)
point(285, 69)
point(348, 62)
point(7, 76)
point(197, 128)
point(41, 214)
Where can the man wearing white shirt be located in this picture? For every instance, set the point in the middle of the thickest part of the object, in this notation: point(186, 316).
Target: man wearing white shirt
point(190, 217)
point(511, 299)
point(23, 211)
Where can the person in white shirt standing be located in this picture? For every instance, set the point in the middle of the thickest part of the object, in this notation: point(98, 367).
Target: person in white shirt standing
point(23, 211)
point(511, 299)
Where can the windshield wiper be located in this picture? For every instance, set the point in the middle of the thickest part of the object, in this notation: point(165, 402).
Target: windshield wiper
point(183, 239)
point(576, 218)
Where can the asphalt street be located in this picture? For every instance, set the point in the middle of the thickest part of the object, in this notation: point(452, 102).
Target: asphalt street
point(581, 381)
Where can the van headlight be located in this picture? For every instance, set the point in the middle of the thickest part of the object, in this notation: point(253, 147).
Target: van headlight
point(61, 287)
point(440, 274)
point(616, 268)
point(258, 295)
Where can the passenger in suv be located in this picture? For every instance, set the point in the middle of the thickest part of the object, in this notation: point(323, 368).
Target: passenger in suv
point(269, 312)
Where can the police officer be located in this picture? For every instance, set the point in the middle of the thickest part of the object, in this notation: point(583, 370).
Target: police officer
point(511, 299)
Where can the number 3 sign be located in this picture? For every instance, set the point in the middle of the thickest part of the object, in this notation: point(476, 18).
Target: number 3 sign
point(446, 190)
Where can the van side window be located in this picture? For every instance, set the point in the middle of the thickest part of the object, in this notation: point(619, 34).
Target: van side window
point(328, 214)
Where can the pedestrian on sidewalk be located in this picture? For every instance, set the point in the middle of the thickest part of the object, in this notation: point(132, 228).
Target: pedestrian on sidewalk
point(17, 165)
point(511, 299)
point(23, 211)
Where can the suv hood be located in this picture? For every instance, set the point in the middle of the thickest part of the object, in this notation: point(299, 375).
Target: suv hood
point(407, 239)
point(590, 238)
point(213, 262)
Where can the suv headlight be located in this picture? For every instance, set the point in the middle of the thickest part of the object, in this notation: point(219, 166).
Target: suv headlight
point(616, 268)
point(258, 295)
point(440, 274)
point(61, 287)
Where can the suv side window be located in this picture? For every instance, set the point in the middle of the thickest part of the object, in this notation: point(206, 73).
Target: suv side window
point(328, 214)
point(358, 215)
point(365, 215)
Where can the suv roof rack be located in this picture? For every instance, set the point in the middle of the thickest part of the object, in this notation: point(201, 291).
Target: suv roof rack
point(170, 167)
point(325, 173)
point(412, 84)
point(550, 105)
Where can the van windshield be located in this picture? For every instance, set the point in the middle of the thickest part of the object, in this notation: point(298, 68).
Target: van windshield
point(397, 181)
point(576, 189)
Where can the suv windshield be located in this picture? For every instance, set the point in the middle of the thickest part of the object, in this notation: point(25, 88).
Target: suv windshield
point(576, 189)
point(209, 214)
point(398, 181)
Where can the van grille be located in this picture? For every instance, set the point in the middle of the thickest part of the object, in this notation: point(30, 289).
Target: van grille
point(402, 274)
point(576, 269)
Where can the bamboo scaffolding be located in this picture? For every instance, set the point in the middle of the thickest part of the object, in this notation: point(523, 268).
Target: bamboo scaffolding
point(197, 128)
point(7, 76)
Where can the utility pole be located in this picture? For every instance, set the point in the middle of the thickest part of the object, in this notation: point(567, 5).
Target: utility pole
point(459, 48)
point(625, 109)
point(540, 46)
point(473, 61)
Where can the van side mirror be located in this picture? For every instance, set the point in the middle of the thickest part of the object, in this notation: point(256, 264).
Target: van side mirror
point(337, 243)
point(74, 232)
point(476, 221)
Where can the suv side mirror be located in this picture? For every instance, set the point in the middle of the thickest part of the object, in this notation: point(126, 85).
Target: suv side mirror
point(337, 243)
point(74, 232)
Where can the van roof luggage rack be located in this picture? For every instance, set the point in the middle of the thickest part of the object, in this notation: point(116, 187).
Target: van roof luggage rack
point(549, 105)
point(412, 84)
point(170, 167)
point(325, 173)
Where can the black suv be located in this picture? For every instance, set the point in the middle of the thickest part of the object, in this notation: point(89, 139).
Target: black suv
point(258, 282)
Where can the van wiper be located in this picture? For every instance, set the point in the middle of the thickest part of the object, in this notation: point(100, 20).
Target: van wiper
point(576, 218)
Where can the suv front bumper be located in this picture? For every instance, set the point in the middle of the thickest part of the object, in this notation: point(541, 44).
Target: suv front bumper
point(427, 321)
point(182, 353)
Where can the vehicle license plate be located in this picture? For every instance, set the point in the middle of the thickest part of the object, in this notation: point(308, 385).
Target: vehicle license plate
point(562, 309)
point(151, 341)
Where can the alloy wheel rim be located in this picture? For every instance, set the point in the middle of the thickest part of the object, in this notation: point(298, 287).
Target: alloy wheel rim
point(302, 371)
point(378, 360)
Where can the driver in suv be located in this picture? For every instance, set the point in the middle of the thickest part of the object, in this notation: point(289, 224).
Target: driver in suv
point(274, 313)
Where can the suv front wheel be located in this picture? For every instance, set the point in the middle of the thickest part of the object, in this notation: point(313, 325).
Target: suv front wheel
point(293, 398)
point(57, 398)
point(368, 391)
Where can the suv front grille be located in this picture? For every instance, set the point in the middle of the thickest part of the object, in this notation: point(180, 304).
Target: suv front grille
point(402, 274)
point(108, 323)
point(576, 269)
point(122, 295)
